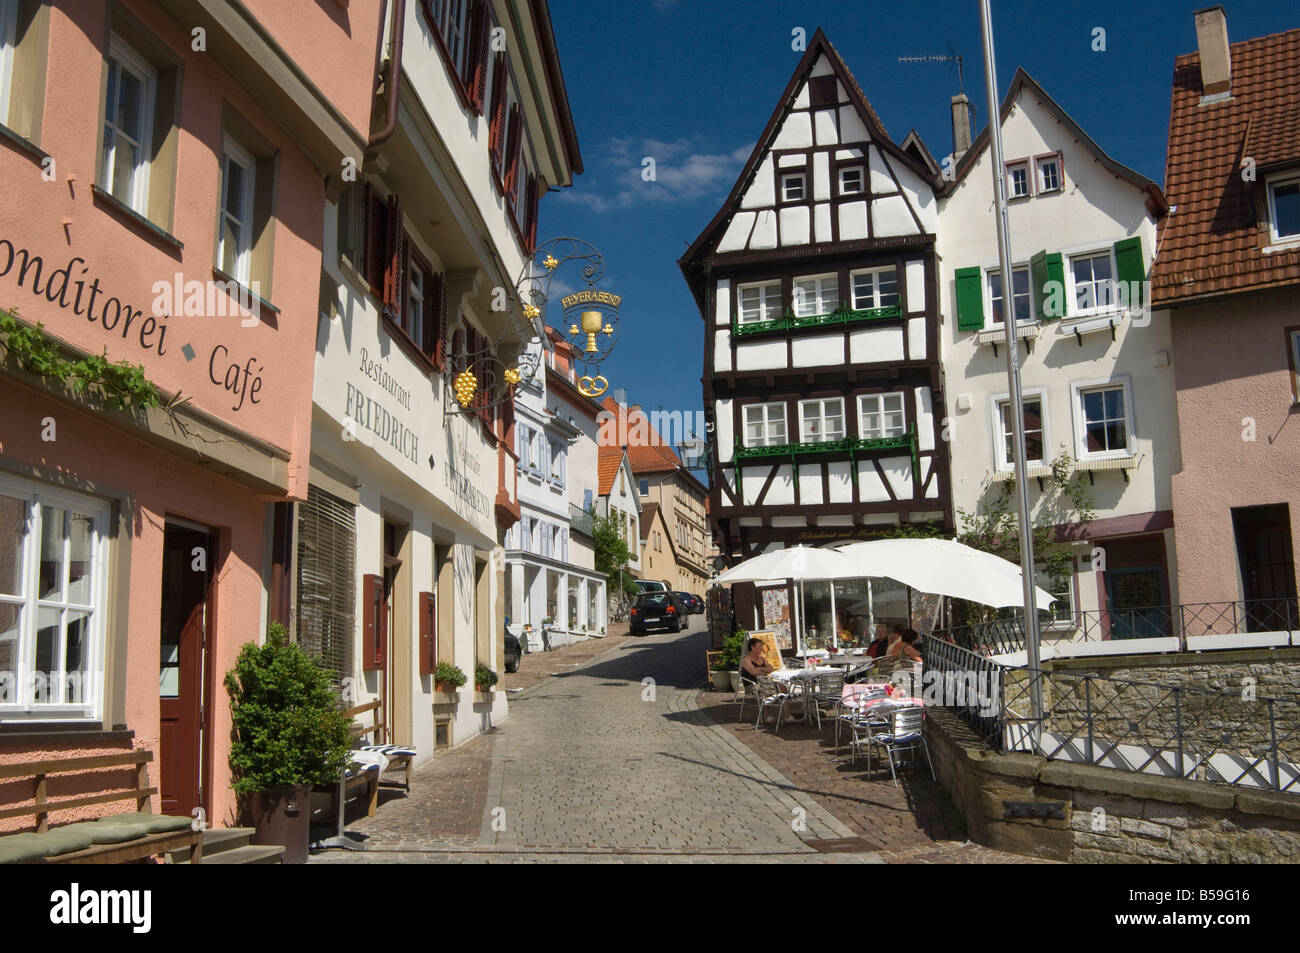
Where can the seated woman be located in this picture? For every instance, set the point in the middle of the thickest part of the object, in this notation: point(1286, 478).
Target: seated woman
point(881, 642)
point(905, 647)
point(752, 664)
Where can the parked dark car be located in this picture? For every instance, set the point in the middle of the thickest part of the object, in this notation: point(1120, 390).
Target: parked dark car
point(696, 604)
point(658, 610)
point(514, 652)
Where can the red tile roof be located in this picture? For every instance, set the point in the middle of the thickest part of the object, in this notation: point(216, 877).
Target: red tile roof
point(648, 511)
point(608, 460)
point(651, 455)
point(1211, 242)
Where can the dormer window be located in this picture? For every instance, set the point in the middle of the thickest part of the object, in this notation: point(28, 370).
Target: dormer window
point(792, 187)
point(1284, 209)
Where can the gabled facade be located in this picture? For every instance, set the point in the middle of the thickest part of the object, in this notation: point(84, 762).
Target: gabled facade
point(1228, 278)
point(619, 499)
point(1094, 365)
point(816, 282)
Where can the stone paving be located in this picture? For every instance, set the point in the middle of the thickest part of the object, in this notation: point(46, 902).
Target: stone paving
point(616, 761)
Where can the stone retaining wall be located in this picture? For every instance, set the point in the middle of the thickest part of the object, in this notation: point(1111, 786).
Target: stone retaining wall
point(1105, 815)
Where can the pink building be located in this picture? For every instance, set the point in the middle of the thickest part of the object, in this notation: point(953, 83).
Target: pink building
point(1228, 271)
point(166, 166)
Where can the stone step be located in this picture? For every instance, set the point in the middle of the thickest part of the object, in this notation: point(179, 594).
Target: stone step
point(216, 840)
point(250, 854)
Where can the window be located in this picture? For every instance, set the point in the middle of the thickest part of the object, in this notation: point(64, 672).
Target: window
point(792, 187)
point(52, 553)
point(816, 295)
point(759, 302)
point(1284, 209)
point(1049, 174)
point(881, 415)
point(235, 242)
point(8, 35)
point(765, 425)
point(645, 487)
point(128, 119)
point(587, 500)
point(1033, 424)
point(1017, 180)
point(1094, 289)
point(417, 300)
point(1104, 415)
point(851, 180)
point(1061, 586)
point(877, 288)
point(1020, 297)
point(1293, 353)
point(821, 420)
point(557, 463)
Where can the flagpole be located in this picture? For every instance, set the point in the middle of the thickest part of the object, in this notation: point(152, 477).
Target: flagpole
point(1013, 374)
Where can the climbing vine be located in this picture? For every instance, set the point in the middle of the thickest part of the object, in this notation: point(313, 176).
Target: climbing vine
point(121, 384)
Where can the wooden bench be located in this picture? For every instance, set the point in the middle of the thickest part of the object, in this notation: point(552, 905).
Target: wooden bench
point(399, 756)
point(111, 840)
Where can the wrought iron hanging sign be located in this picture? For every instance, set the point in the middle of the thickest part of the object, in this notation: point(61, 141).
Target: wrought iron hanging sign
point(481, 373)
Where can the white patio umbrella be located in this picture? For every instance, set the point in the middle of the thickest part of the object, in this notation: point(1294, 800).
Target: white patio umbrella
point(800, 563)
point(945, 567)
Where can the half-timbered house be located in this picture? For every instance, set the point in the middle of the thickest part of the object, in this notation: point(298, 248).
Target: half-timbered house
point(816, 281)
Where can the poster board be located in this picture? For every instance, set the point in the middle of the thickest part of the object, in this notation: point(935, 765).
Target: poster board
point(771, 653)
point(776, 613)
point(925, 607)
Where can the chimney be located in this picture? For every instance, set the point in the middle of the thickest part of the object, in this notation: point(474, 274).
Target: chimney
point(1212, 41)
point(620, 397)
point(960, 126)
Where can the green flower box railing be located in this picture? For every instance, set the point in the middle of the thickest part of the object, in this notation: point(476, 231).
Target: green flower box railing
point(841, 316)
point(850, 445)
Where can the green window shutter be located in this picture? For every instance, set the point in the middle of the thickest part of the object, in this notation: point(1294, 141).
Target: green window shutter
point(1047, 272)
point(970, 299)
point(1130, 268)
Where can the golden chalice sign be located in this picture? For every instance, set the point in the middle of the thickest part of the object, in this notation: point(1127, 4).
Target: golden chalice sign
point(592, 316)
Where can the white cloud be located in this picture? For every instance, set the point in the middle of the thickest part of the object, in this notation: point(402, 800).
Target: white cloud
point(682, 173)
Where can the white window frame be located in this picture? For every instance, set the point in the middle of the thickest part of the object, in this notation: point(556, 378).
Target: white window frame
point(1072, 306)
point(815, 409)
point(8, 40)
point(766, 301)
point(126, 57)
point(1077, 390)
point(37, 498)
point(1071, 600)
point(862, 179)
point(413, 314)
point(819, 293)
point(875, 274)
point(1029, 181)
point(1039, 180)
point(1001, 459)
point(862, 414)
point(767, 421)
point(1291, 178)
point(989, 302)
point(787, 180)
point(233, 153)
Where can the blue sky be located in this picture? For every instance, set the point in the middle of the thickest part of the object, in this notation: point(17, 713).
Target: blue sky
point(691, 84)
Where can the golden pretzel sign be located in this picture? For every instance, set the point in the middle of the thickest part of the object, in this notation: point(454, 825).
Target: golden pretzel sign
point(593, 386)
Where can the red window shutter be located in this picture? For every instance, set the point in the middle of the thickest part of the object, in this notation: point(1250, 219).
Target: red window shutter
point(496, 121)
point(508, 417)
point(394, 270)
point(440, 323)
point(512, 158)
point(531, 237)
point(373, 622)
point(478, 70)
point(428, 629)
point(376, 253)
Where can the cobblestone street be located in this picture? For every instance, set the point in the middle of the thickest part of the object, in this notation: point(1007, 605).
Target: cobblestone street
point(620, 757)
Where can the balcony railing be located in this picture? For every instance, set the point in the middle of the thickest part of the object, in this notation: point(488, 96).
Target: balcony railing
point(580, 521)
point(853, 446)
point(840, 317)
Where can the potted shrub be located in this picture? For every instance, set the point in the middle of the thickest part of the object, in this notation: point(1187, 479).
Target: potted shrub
point(733, 647)
point(448, 677)
point(484, 678)
point(287, 736)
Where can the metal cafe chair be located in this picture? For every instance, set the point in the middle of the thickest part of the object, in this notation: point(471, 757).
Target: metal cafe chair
point(846, 715)
point(901, 733)
point(768, 693)
point(824, 693)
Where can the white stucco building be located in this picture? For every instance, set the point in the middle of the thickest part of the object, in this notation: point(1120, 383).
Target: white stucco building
point(1095, 367)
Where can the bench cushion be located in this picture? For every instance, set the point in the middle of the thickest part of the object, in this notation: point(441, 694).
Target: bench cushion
point(21, 848)
point(362, 761)
point(391, 751)
point(138, 825)
point(28, 847)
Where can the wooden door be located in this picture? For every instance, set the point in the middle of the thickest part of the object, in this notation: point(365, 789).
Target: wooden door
point(1267, 567)
point(1134, 599)
point(186, 616)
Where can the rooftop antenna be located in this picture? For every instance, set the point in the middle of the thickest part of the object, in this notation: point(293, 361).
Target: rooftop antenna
point(952, 56)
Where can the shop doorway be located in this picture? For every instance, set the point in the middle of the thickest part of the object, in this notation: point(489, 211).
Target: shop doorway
point(185, 627)
point(1267, 565)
